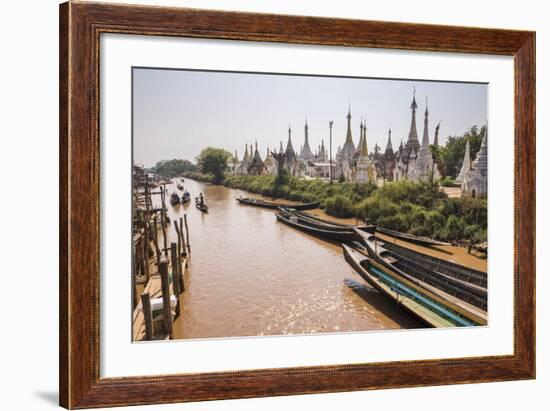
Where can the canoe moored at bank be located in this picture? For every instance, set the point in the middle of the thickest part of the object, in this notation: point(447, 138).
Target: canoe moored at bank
point(425, 241)
point(425, 305)
point(273, 206)
point(331, 235)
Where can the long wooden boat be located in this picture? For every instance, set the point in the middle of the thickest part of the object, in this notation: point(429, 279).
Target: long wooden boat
point(425, 305)
point(313, 223)
point(460, 272)
point(321, 220)
point(411, 238)
point(316, 219)
point(425, 274)
point(268, 204)
point(330, 235)
point(202, 207)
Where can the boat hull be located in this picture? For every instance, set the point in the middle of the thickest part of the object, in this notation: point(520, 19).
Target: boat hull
point(334, 236)
point(422, 304)
point(275, 206)
point(424, 241)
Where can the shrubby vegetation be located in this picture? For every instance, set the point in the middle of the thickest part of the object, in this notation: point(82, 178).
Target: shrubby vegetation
point(173, 168)
point(197, 175)
point(448, 182)
point(416, 208)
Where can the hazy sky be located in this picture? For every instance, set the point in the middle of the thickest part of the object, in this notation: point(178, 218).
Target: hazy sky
point(179, 112)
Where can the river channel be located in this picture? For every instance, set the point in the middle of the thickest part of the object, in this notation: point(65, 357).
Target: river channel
point(249, 275)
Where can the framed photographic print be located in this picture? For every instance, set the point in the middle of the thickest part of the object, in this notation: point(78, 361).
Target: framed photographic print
point(256, 205)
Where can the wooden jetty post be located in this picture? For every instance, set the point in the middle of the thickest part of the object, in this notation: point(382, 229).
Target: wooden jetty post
point(165, 240)
point(147, 315)
point(180, 233)
point(167, 310)
point(163, 221)
point(187, 233)
point(180, 269)
point(179, 254)
point(146, 194)
point(134, 289)
point(175, 276)
point(179, 237)
point(145, 251)
point(155, 239)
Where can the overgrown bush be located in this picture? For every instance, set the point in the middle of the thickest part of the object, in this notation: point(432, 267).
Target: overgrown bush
point(416, 208)
point(339, 206)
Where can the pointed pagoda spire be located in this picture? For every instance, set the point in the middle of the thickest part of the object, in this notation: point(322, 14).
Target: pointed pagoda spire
point(267, 154)
point(306, 153)
point(349, 139)
point(481, 156)
point(412, 141)
point(425, 136)
point(256, 152)
point(280, 146)
point(389, 147)
point(364, 146)
point(289, 142)
point(236, 158)
point(257, 165)
point(361, 131)
point(436, 138)
point(246, 156)
point(289, 152)
point(466, 163)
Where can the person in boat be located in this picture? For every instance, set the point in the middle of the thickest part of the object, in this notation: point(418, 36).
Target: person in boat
point(201, 199)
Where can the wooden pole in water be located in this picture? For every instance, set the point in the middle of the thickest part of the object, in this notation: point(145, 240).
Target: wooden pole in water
point(145, 191)
point(164, 239)
point(179, 236)
point(155, 239)
point(147, 315)
point(180, 242)
point(187, 233)
point(134, 290)
point(167, 310)
point(146, 250)
point(180, 227)
point(175, 276)
point(175, 268)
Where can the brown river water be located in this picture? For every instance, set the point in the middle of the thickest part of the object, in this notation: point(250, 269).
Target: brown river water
point(249, 275)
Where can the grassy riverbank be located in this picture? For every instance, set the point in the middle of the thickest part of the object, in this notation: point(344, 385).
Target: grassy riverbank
point(405, 206)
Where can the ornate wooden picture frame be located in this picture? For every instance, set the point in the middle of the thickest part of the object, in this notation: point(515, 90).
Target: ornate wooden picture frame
point(81, 25)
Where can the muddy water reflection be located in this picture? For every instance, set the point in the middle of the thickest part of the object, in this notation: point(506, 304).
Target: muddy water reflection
point(249, 275)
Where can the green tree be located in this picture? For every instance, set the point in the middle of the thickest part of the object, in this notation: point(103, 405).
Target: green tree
point(213, 161)
point(173, 168)
point(452, 153)
point(283, 175)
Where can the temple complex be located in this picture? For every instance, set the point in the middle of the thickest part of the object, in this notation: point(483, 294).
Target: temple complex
point(413, 161)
